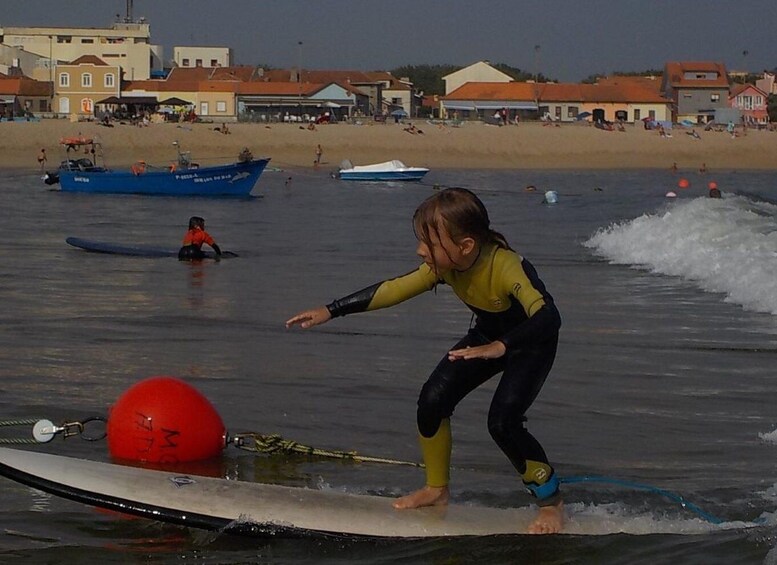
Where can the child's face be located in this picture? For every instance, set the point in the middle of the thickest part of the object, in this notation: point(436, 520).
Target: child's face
point(444, 254)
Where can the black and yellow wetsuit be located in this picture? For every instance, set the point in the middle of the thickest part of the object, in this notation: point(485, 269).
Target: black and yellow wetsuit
point(511, 305)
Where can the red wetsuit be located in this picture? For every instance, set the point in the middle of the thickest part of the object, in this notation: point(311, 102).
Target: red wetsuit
point(192, 244)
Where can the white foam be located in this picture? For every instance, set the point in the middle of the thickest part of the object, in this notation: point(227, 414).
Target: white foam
point(770, 437)
point(617, 518)
point(726, 245)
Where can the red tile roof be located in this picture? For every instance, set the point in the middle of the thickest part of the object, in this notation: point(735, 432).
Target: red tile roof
point(676, 74)
point(279, 88)
point(89, 60)
point(24, 86)
point(557, 92)
point(494, 91)
point(738, 89)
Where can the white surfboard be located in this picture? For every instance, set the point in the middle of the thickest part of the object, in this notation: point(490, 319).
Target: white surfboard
point(258, 509)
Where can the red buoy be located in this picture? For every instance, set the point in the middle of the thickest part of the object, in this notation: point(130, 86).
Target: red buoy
point(164, 420)
point(683, 183)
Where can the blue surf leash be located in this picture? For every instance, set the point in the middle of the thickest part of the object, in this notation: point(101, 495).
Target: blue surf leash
point(641, 486)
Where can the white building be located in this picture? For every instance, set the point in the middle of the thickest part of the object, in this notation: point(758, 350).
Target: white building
point(477, 72)
point(124, 44)
point(202, 56)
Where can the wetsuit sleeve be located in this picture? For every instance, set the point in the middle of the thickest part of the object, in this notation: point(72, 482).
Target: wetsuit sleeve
point(216, 248)
point(543, 320)
point(385, 294)
point(206, 238)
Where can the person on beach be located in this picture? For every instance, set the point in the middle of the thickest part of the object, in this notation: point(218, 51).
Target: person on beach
point(42, 159)
point(193, 240)
point(319, 153)
point(515, 332)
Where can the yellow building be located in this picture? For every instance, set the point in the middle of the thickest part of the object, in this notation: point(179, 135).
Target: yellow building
point(79, 85)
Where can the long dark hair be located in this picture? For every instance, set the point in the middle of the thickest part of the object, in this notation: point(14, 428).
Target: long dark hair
point(460, 213)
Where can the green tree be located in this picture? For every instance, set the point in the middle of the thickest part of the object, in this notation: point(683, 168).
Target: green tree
point(771, 107)
point(593, 79)
point(425, 78)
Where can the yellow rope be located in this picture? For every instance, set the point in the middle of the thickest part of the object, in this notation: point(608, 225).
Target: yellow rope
point(273, 444)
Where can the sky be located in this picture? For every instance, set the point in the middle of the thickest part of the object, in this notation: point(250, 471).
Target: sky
point(562, 39)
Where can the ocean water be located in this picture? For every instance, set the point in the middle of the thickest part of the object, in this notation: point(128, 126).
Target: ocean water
point(665, 374)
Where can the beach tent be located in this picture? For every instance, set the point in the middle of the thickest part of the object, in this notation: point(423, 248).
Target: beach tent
point(174, 101)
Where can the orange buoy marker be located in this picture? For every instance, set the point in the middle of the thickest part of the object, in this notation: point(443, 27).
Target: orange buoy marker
point(712, 185)
point(164, 420)
point(683, 183)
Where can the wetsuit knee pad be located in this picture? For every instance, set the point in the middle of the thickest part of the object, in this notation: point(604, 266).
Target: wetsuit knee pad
point(503, 426)
point(541, 481)
point(429, 412)
point(436, 451)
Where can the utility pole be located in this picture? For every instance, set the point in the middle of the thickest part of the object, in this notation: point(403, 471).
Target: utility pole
point(299, 79)
point(537, 63)
point(537, 76)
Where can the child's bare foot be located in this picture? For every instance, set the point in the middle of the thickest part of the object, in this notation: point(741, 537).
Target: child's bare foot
point(427, 496)
point(549, 520)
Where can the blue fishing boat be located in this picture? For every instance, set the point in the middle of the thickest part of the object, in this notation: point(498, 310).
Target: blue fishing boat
point(184, 178)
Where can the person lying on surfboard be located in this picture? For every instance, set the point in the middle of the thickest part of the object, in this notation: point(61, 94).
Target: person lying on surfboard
point(516, 333)
point(193, 240)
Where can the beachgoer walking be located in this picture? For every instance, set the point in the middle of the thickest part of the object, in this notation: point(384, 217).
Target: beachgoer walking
point(42, 159)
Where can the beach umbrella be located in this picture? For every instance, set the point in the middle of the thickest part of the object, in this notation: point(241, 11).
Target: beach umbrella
point(399, 113)
point(583, 115)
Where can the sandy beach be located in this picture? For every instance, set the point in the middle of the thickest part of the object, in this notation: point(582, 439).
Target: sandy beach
point(473, 145)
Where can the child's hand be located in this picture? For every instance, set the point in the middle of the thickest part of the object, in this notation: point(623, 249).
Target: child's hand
point(493, 350)
point(310, 318)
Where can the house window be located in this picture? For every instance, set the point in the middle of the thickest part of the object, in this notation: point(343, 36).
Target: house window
point(87, 40)
point(64, 79)
point(86, 80)
point(558, 112)
point(687, 95)
point(184, 62)
point(221, 106)
point(198, 62)
point(637, 114)
point(572, 112)
point(652, 114)
point(214, 63)
point(714, 97)
point(110, 80)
